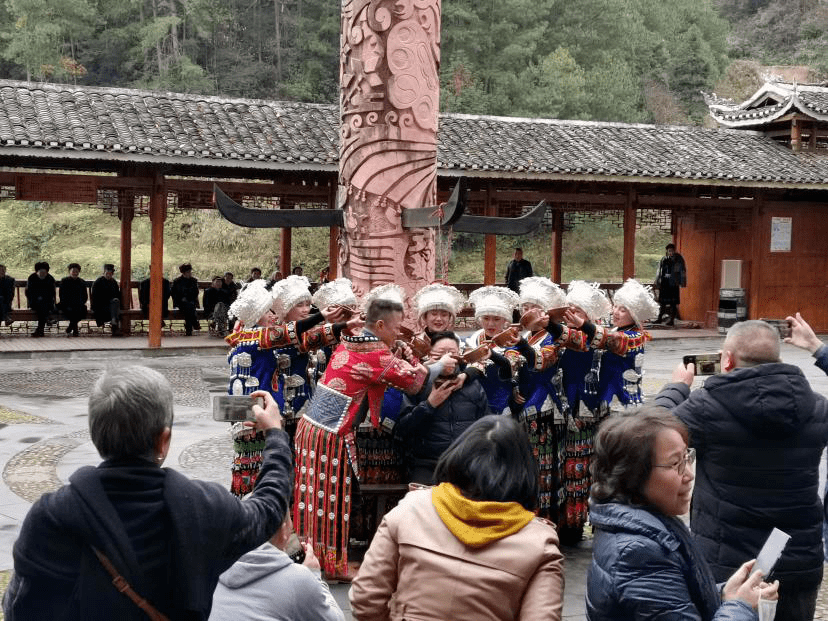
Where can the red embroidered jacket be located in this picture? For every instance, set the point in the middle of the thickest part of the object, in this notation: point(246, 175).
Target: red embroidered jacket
point(362, 367)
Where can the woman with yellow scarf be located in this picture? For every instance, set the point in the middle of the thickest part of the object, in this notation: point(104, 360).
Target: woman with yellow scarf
point(470, 548)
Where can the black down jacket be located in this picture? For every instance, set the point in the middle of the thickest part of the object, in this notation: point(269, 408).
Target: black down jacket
point(759, 434)
point(427, 431)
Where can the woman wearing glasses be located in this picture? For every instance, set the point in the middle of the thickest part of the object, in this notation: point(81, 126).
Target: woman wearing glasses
point(645, 564)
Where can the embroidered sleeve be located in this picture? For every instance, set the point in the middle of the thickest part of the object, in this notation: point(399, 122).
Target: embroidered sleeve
point(547, 356)
point(572, 338)
point(515, 358)
point(622, 342)
point(317, 338)
point(256, 336)
point(402, 375)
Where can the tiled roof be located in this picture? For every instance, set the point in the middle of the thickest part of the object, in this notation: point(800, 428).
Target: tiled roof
point(772, 101)
point(579, 148)
point(151, 125)
point(62, 121)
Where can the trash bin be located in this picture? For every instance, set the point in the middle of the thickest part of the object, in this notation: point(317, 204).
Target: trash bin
point(732, 308)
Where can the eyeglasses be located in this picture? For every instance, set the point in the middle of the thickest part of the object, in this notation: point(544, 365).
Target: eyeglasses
point(680, 467)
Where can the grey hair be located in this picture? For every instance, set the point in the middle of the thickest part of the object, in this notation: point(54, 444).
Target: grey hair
point(752, 342)
point(128, 408)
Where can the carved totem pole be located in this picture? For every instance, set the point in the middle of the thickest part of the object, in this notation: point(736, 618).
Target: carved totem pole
point(389, 102)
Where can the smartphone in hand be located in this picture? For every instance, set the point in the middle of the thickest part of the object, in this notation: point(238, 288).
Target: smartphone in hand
point(771, 552)
point(235, 408)
point(706, 364)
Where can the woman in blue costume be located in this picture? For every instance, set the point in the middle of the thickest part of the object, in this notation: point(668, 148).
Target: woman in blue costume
point(621, 367)
point(580, 364)
point(493, 308)
point(540, 383)
point(256, 343)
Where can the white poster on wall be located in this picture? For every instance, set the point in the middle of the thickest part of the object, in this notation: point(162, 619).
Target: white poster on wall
point(781, 234)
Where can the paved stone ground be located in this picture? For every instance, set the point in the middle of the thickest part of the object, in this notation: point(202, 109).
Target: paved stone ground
point(43, 435)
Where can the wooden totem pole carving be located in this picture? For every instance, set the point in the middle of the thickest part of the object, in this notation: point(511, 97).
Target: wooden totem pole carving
point(389, 102)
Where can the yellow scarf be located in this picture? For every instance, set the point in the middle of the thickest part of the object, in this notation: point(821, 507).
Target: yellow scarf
point(477, 522)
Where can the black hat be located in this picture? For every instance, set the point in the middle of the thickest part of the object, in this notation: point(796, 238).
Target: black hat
point(75, 265)
point(109, 267)
point(41, 265)
point(184, 268)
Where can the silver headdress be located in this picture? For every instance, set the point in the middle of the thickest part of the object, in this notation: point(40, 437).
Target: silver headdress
point(438, 297)
point(638, 299)
point(391, 292)
point(253, 302)
point(337, 291)
point(493, 300)
point(290, 291)
point(589, 298)
point(541, 291)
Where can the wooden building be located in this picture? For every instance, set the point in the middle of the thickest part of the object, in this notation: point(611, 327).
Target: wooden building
point(141, 153)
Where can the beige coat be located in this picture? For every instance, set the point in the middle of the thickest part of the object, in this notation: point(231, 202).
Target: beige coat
point(417, 570)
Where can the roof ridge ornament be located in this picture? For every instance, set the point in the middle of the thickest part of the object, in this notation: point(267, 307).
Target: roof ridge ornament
point(447, 214)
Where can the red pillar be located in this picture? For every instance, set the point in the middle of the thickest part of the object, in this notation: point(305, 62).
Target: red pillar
point(628, 268)
point(158, 214)
point(557, 245)
point(285, 242)
point(490, 247)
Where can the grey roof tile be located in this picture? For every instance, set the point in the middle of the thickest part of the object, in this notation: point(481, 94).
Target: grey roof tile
point(205, 131)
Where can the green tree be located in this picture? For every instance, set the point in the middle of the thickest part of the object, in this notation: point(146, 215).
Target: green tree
point(556, 88)
point(43, 32)
point(614, 93)
point(693, 67)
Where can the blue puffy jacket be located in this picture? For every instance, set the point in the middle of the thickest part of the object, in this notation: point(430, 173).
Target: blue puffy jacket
point(643, 570)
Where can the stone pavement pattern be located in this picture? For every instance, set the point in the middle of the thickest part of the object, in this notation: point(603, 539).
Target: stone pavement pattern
point(44, 436)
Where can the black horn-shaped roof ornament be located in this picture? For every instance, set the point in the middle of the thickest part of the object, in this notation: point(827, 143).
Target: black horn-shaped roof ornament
point(449, 214)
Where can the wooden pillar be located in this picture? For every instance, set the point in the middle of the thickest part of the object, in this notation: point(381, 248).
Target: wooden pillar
point(812, 139)
point(490, 244)
point(333, 239)
point(158, 214)
point(796, 136)
point(284, 252)
point(126, 214)
point(557, 245)
point(628, 268)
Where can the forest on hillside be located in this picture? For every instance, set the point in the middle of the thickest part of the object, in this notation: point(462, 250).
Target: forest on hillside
point(607, 60)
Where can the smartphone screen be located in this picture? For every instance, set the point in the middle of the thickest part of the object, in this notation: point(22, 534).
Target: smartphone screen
point(706, 364)
point(233, 408)
point(771, 551)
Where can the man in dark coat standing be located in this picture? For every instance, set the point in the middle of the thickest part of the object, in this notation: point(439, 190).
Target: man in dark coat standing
point(518, 269)
point(73, 298)
point(7, 289)
point(40, 293)
point(106, 299)
point(672, 275)
point(759, 431)
point(185, 297)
